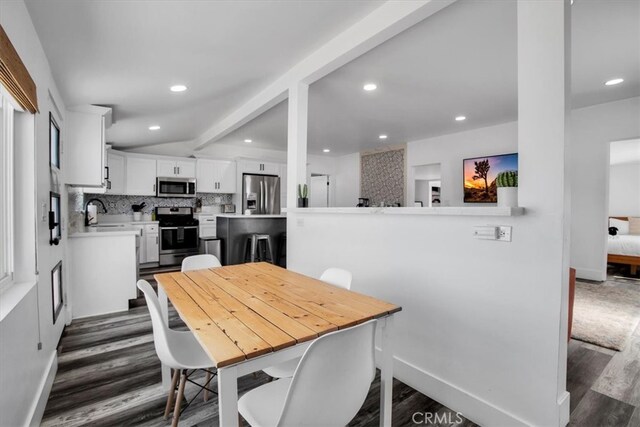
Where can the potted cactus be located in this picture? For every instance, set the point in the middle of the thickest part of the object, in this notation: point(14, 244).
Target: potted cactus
point(303, 196)
point(507, 183)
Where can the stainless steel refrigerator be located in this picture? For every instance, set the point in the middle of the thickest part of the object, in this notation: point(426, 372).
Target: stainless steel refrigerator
point(260, 194)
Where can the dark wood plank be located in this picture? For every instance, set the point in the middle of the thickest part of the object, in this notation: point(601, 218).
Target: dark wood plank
point(583, 369)
point(596, 409)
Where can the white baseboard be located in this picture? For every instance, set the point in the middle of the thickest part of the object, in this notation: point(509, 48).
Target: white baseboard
point(38, 406)
point(591, 274)
point(564, 408)
point(470, 406)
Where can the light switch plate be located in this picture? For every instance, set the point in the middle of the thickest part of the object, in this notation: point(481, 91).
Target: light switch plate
point(486, 232)
point(300, 222)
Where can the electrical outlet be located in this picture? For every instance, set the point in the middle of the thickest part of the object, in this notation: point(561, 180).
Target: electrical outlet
point(504, 233)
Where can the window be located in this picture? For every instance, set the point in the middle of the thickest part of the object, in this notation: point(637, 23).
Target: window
point(54, 143)
point(6, 190)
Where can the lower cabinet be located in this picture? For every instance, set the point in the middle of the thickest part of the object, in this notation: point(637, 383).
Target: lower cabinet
point(151, 243)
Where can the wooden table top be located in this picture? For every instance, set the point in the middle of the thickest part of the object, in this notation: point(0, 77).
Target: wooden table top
point(244, 311)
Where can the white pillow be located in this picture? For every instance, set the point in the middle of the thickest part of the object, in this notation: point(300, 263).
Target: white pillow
point(623, 226)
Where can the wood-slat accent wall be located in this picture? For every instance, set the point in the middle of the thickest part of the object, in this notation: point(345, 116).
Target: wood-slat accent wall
point(15, 76)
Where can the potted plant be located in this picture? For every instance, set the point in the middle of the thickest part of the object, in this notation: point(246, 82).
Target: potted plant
point(507, 183)
point(303, 196)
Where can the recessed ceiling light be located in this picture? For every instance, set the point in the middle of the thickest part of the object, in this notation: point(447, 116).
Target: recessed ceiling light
point(154, 127)
point(613, 82)
point(382, 136)
point(248, 141)
point(178, 88)
point(370, 86)
point(460, 118)
point(326, 150)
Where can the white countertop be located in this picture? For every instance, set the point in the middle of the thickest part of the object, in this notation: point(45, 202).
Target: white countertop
point(435, 211)
point(120, 230)
point(236, 216)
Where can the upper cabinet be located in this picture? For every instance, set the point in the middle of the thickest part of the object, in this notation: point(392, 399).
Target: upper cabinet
point(85, 146)
point(115, 172)
point(141, 176)
point(260, 168)
point(176, 168)
point(216, 176)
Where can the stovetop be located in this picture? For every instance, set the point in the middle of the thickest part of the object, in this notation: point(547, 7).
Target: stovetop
point(175, 217)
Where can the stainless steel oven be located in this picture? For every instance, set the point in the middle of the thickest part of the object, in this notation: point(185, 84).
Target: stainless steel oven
point(178, 234)
point(176, 187)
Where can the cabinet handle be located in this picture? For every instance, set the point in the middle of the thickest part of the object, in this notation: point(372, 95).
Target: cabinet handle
point(156, 240)
point(107, 170)
point(178, 170)
point(154, 188)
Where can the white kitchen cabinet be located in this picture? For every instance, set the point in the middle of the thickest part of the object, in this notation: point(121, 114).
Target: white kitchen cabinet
point(140, 176)
point(216, 176)
point(84, 155)
point(115, 173)
point(258, 167)
point(176, 168)
point(151, 243)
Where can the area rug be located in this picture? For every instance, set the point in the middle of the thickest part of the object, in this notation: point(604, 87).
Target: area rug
point(604, 315)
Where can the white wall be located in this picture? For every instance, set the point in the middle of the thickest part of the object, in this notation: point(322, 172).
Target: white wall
point(25, 370)
point(347, 182)
point(450, 150)
point(594, 128)
point(624, 189)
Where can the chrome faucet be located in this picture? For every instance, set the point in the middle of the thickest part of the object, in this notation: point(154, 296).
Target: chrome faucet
point(86, 210)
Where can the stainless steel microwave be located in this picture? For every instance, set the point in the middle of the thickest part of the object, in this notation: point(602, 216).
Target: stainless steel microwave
point(176, 187)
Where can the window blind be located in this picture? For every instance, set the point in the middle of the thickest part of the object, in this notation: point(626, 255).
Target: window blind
point(15, 77)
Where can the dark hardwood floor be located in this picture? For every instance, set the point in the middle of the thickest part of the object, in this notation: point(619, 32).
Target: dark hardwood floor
point(109, 374)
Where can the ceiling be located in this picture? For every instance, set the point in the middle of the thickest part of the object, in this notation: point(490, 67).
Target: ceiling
point(126, 54)
point(461, 61)
point(627, 151)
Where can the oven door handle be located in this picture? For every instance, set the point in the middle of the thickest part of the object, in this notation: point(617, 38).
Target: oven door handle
point(175, 228)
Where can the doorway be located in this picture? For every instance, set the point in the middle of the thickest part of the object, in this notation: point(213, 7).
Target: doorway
point(319, 191)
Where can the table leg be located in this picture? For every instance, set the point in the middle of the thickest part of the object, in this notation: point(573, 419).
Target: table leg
point(164, 309)
point(386, 370)
point(228, 396)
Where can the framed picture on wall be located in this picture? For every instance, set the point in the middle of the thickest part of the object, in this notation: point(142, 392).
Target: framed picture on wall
point(54, 143)
point(479, 176)
point(56, 290)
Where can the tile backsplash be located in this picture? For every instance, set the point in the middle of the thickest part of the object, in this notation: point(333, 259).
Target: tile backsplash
point(121, 205)
point(382, 177)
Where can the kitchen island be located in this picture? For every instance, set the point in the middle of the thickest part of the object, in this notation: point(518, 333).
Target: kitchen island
point(235, 230)
point(102, 269)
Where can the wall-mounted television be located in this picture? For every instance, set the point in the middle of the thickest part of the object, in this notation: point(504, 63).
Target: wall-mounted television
point(479, 176)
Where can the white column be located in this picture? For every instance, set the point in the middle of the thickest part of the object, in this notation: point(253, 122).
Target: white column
point(297, 141)
point(544, 89)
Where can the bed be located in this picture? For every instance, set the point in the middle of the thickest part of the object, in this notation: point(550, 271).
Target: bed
point(624, 248)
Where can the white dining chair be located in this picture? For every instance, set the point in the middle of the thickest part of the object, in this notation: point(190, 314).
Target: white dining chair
point(334, 276)
point(178, 350)
point(338, 277)
point(328, 388)
point(199, 262)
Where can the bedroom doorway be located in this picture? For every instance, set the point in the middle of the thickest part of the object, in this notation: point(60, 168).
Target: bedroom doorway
point(623, 245)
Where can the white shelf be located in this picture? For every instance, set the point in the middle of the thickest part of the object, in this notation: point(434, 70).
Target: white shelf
point(439, 211)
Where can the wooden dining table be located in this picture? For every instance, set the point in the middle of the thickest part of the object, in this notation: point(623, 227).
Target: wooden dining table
point(248, 317)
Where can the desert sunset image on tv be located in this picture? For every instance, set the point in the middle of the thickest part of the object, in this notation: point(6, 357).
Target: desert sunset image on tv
point(480, 176)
